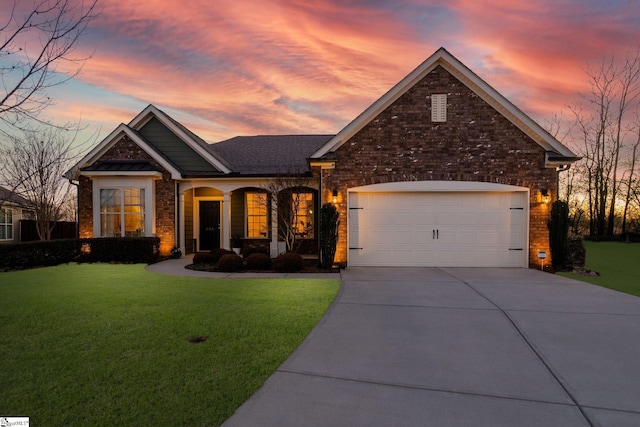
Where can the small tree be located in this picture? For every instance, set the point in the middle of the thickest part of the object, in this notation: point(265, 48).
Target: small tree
point(559, 234)
point(329, 222)
point(33, 165)
point(286, 203)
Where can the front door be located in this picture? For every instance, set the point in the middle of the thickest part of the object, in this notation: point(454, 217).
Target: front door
point(209, 225)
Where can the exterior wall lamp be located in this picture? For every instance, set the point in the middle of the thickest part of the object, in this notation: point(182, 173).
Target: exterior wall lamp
point(544, 195)
point(334, 196)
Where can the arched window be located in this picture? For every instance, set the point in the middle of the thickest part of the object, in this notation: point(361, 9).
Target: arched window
point(302, 214)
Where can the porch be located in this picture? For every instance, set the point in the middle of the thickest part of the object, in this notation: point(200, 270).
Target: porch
point(246, 214)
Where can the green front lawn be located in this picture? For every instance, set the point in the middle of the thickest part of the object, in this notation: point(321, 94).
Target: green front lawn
point(617, 263)
point(99, 344)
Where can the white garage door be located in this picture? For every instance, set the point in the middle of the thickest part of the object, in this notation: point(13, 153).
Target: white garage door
point(438, 228)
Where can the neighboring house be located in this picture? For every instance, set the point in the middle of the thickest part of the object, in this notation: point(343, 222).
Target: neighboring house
point(440, 171)
point(13, 209)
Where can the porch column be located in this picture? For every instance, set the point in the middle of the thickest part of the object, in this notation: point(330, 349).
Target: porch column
point(226, 220)
point(182, 243)
point(274, 230)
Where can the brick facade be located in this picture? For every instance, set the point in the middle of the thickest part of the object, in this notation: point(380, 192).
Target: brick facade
point(476, 143)
point(85, 207)
point(165, 197)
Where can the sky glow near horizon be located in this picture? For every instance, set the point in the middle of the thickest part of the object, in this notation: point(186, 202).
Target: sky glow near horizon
point(236, 67)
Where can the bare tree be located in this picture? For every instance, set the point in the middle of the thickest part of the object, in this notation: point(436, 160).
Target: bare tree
point(291, 208)
point(601, 126)
point(632, 181)
point(33, 166)
point(37, 37)
point(628, 85)
point(569, 179)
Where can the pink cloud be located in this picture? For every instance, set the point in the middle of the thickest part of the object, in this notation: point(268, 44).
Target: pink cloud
point(292, 66)
point(538, 49)
point(236, 68)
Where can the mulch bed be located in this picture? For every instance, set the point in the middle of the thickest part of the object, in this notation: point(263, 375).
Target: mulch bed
point(310, 266)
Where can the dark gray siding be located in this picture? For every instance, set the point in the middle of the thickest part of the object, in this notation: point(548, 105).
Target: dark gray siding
point(174, 149)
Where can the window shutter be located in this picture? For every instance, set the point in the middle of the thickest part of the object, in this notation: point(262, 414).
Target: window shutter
point(439, 108)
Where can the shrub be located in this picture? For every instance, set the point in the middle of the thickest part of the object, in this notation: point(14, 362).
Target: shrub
point(258, 261)
point(120, 249)
point(577, 253)
point(329, 222)
point(36, 254)
point(253, 249)
point(230, 263)
point(176, 253)
point(103, 249)
point(559, 234)
point(288, 263)
point(205, 258)
point(217, 254)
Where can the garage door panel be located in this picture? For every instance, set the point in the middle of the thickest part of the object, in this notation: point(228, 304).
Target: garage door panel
point(438, 229)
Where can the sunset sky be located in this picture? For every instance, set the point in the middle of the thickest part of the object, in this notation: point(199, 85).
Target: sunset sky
point(234, 67)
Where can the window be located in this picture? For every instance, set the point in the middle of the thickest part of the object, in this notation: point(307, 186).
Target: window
point(122, 212)
point(256, 215)
point(302, 211)
point(6, 224)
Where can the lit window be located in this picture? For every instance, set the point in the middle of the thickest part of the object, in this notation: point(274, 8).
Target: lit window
point(6, 224)
point(302, 211)
point(256, 215)
point(122, 212)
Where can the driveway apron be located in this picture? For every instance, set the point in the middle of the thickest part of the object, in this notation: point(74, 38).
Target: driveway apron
point(460, 347)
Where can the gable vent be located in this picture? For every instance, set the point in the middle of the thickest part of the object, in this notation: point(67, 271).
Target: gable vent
point(439, 108)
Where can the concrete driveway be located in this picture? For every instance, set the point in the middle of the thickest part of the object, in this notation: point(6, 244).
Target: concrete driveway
point(460, 347)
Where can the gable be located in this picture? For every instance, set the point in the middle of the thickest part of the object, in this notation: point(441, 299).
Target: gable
point(168, 143)
point(475, 142)
point(127, 144)
point(557, 153)
point(174, 149)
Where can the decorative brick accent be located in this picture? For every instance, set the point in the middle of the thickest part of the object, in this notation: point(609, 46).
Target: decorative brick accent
point(85, 207)
point(165, 213)
point(476, 143)
point(165, 201)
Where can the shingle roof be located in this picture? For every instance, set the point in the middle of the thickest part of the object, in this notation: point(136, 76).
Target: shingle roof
point(269, 154)
point(8, 196)
point(186, 155)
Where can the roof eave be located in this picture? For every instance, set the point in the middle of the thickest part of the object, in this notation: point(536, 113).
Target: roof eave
point(91, 174)
point(555, 160)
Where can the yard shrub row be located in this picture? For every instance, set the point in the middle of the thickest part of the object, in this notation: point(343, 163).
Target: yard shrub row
point(130, 250)
point(55, 252)
point(37, 254)
point(210, 257)
point(230, 262)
